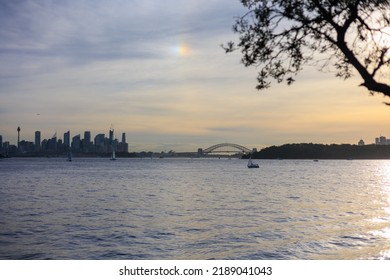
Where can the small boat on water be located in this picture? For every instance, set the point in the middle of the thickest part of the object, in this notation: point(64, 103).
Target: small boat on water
point(113, 155)
point(69, 158)
point(251, 164)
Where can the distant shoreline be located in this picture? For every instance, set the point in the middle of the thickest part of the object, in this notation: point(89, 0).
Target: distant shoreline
point(287, 151)
point(322, 151)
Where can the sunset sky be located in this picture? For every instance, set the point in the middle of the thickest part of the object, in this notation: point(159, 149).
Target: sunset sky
point(155, 70)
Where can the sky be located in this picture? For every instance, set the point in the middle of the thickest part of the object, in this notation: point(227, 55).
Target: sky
point(156, 71)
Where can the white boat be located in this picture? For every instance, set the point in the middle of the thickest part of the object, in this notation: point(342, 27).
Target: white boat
point(113, 155)
point(251, 164)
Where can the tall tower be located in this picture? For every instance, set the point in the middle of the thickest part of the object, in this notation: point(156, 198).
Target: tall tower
point(18, 130)
point(67, 139)
point(87, 142)
point(124, 145)
point(111, 140)
point(111, 135)
point(37, 141)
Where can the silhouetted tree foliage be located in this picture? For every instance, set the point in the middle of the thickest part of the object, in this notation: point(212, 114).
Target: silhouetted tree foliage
point(320, 151)
point(280, 36)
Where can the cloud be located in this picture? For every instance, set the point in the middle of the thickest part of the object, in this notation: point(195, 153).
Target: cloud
point(86, 64)
point(105, 30)
point(51, 37)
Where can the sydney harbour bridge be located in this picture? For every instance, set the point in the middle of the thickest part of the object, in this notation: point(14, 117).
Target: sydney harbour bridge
point(227, 149)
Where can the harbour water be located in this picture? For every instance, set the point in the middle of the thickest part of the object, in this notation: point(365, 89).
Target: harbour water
point(94, 208)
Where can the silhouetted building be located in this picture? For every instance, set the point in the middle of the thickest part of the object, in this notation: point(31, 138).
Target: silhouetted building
point(76, 143)
point(37, 141)
point(44, 145)
point(361, 142)
point(49, 145)
point(26, 146)
point(111, 137)
point(9, 149)
point(54, 143)
point(99, 143)
point(87, 144)
point(60, 145)
point(123, 146)
point(111, 142)
point(382, 141)
point(67, 139)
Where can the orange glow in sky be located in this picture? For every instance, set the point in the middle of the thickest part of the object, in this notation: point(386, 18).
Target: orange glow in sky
point(122, 63)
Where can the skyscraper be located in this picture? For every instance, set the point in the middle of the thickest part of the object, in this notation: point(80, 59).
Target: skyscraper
point(124, 147)
point(37, 141)
point(111, 135)
point(76, 143)
point(87, 145)
point(67, 139)
point(99, 143)
point(111, 140)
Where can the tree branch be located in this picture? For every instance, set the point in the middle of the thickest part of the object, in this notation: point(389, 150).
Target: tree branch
point(282, 35)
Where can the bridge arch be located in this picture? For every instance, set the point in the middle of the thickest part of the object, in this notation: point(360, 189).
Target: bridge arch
point(227, 148)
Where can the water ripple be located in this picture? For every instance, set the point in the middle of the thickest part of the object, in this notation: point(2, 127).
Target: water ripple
point(193, 209)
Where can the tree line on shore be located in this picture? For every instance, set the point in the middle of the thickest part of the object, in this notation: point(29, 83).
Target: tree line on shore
point(322, 151)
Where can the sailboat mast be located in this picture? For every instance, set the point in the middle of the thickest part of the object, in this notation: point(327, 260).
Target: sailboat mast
point(112, 142)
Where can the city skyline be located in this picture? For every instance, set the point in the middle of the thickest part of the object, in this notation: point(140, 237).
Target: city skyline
point(157, 72)
point(68, 140)
point(99, 144)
